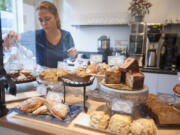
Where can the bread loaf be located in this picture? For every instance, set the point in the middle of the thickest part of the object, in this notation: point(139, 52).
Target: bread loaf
point(163, 112)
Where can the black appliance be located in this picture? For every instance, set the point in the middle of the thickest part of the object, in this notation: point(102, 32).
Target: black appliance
point(5, 80)
point(104, 47)
point(168, 52)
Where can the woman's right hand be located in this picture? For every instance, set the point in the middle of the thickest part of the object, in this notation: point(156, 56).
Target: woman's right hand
point(10, 39)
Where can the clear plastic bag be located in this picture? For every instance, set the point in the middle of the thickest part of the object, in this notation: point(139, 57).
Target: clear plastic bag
point(19, 57)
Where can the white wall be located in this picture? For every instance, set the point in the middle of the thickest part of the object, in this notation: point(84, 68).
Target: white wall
point(90, 12)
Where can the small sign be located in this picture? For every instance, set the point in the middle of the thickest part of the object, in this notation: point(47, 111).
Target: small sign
point(115, 60)
point(122, 106)
point(41, 89)
point(96, 58)
point(55, 96)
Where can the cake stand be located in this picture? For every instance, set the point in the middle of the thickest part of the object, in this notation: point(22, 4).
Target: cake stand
point(137, 97)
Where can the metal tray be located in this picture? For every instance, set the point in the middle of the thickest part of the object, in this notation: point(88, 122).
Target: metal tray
point(73, 111)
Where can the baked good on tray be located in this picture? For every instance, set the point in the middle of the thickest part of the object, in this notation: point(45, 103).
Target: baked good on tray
point(143, 126)
point(164, 113)
point(120, 123)
point(57, 109)
point(129, 64)
point(52, 74)
point(127, 75)
point(135, 80)
point(91, 68)
point(177, 89)
point(22, 75)
point(101, 68)
point(49, 74)
point(99, 119)
point(41, 110)
point(31, 104)
point(113, 76)
point(78, 75)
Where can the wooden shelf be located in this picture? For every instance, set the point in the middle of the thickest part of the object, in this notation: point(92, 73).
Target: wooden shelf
point(92, 25)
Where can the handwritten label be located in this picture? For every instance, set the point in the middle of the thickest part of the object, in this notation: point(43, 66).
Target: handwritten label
point(122, 106)
point(56, 96)
point(115, 60)
point(96, 58)
point(41, 89)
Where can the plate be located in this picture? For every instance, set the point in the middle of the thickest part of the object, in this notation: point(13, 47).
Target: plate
point(74, 110)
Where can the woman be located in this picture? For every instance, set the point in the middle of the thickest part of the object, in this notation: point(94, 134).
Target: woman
point(53, 44)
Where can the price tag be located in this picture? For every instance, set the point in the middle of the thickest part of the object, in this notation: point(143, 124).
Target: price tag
point(41, 89)
point(115, 60)
point(96, 58)
point(122, 106)
point(56, 96)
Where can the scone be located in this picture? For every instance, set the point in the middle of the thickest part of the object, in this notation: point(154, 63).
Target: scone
point(99, 120)
point(120, 123)
point(58, 110)
point(143, 126)
point(42, 110)
point(31, 104)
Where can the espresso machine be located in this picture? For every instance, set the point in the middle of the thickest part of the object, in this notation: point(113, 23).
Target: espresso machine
point(153, 46)
point(169, 51)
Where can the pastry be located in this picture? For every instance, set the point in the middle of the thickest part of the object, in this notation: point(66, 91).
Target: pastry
point(143, 126)
point(78, 75)
point(177, 89)
point(129, 64)
point(42, 110)
point(31, 104)
point(58, 110)
point(113, 76)
point(91, 69)
point(135, 80)
point(101, 68)
point(120, 123)
point(99, 119)
point(49, 74)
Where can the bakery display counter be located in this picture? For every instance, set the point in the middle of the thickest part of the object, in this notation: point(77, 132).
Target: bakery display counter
point(36, 127)
point(159, 71)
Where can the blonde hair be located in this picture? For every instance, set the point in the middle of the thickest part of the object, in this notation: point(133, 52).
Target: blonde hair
point(51, 8)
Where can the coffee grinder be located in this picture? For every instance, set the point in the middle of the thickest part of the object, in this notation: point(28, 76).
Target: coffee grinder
point(104, 47)
point(153, 45)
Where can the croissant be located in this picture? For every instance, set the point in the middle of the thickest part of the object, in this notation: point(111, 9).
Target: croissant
point(31, 104)
point(58, 110)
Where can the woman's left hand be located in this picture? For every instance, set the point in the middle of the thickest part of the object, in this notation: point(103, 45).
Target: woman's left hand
point(72, 52)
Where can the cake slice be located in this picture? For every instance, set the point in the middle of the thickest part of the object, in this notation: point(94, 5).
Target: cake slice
point(135, 80)
point(129, 64)
point(113, 76)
